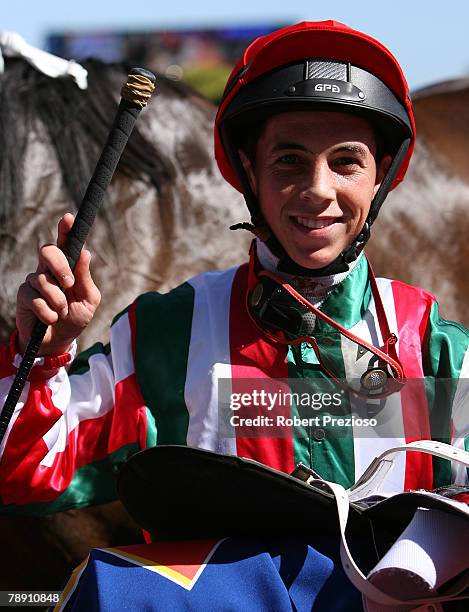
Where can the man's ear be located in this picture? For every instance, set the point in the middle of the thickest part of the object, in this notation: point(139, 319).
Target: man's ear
point(381, 172)
point(248, 168)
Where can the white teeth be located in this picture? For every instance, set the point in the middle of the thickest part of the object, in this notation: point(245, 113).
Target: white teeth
point(314, 223)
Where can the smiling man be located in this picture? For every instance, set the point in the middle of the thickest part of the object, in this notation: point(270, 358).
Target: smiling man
point(315, 175)
point(315, 127)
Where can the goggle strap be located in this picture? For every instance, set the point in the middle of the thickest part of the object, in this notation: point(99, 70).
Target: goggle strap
point(389, 339)
point(388, 181)
point(393, 385)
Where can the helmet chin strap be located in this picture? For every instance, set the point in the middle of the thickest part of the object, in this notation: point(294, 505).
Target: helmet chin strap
point(259, 227)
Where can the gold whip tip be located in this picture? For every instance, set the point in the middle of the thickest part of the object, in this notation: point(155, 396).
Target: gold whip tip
point(138, 89)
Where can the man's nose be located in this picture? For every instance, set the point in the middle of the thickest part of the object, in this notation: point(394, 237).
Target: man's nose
point(318, 186)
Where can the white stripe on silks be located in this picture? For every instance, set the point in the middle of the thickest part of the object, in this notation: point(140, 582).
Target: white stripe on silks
point(5, 385)
point(369, 442)
point(460, 420)
point(209, 356)
point(121, 349)
point(85, 396)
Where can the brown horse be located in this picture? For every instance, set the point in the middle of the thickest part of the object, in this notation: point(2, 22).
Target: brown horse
point(420, 234)
point(166, 218)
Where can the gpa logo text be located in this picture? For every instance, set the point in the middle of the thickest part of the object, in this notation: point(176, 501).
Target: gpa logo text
point(327, 87)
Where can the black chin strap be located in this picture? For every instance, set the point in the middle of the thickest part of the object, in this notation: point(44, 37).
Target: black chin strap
point(259, 227)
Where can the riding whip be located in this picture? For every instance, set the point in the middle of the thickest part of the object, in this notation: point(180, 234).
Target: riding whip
point(134, 96)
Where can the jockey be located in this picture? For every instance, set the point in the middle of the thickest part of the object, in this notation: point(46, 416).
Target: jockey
point(315, 127)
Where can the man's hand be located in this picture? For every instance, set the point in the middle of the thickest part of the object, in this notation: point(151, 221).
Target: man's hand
point(63, 300)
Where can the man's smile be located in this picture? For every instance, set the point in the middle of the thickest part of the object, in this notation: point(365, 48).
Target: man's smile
point(318, 223)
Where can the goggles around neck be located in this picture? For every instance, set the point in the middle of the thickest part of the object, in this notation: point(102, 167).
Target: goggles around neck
point(286, 317)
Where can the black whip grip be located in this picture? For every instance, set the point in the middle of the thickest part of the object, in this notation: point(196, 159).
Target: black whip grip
point(119, 134)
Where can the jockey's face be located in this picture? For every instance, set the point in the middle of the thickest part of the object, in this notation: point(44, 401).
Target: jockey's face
point(315, 175)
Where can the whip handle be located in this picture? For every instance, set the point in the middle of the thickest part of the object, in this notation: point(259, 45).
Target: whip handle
point(121, 129)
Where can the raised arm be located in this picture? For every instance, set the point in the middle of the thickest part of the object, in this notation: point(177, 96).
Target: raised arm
point(72, 429)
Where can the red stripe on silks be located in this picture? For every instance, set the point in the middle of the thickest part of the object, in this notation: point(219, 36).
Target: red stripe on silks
point(91, 440)
point(94, 439)
point(413, 308)
point(253, 357)
point(25, 447)
point(130, 422)
point(137, 394)
point(86, 444)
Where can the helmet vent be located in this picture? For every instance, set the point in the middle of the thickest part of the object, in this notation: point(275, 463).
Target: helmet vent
point(326, 70)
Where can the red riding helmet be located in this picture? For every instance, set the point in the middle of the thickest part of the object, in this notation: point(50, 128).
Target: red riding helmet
point(316, 66)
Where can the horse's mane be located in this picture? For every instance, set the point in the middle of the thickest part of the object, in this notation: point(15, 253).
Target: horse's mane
point(76, 122)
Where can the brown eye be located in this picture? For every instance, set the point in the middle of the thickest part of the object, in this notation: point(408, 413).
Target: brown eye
point(346, 161)
point(289, 159)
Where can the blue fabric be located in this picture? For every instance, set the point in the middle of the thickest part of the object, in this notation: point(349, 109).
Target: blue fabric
point(245, 575)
